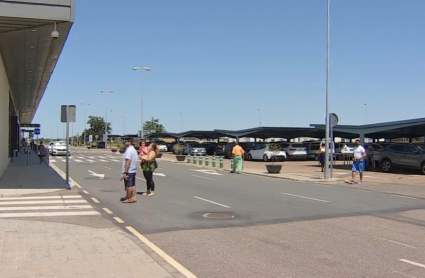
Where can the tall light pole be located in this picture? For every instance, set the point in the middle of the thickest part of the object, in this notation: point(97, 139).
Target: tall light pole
point(328, 66)
point(181, 122)
point(85, 120)
point(259, 115)
point(105, 136)
point(124, 117)
point(365, 112)
point(141, 97)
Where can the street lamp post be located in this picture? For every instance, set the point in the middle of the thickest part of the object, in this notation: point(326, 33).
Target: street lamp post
point(141, 97)
point(105, 136)
point(124, 117)
point(365, 112)
point(181, 122)
point(259, 115)
point(328, 66)
point(85, 120)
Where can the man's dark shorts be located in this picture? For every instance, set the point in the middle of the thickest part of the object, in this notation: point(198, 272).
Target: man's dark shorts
point(131, 180)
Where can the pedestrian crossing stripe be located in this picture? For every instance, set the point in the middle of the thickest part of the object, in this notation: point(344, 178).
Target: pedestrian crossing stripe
point(45, 206)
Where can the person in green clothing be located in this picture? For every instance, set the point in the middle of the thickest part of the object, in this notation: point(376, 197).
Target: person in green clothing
point(237, 154)
point(148, 166)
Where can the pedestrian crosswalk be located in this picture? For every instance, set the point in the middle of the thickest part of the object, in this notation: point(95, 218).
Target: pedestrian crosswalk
point(45, 206)
point(87, 159)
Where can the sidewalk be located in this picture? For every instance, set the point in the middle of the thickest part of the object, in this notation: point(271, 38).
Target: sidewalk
point(36, 178)
point(46, 249)
point(41, 247)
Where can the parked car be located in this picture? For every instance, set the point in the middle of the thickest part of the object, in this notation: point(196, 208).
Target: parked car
point(294, 150)
point(260, 151)
point(162, 148)
point(195, 148)
point(209, 147)
point(344, 147)
point(313, 147)
point(219, 149)
point(246, 146)
point(59, 148)
point(406, 156)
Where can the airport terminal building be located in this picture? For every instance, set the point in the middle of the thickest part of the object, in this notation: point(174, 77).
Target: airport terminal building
point(32, 36)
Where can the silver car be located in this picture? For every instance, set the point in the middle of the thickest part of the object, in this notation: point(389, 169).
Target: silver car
point(407, 156)
point(193, 148)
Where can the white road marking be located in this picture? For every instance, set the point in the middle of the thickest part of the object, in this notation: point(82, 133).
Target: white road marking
point(86, 192)
point(140, 179)
point(40, 197)
point(95, 200)
point(119, 220)
point(77, 160)
point(107, 211)
point(46, 207)
point(101, 160)
point(207, 171)
point(42, 214)
point(159, 174)
point(52, 161)
point(43, 202)
point(309, 198)
point(63, 160)
point(212, 202)
point(202, 177)
point(108, 168)
point(401, 196)
point(89, 160)
point(362, 190)
point(161, 253)
point(77, 185)
point(412, 263)
point(396, 242)
point(100, 176)
point(114, 160)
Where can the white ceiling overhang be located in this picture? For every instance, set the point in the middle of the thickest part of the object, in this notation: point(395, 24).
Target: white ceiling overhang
point(29, 53)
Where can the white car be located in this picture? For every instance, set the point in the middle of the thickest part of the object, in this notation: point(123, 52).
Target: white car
point(195, 148)
point(294, 150)
point(162, 148)
point(59, 148)
point(343, 147)
point(260, 151)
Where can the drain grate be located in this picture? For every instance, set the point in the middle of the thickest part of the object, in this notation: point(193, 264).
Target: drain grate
point(218, 215)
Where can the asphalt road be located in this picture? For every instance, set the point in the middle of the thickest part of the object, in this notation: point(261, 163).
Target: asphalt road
point(277, 228)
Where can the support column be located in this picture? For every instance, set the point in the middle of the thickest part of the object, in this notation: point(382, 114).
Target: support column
point(362, 139)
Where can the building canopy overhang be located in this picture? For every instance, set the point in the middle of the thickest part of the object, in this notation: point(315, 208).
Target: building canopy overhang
point(389, 130)
point(28, 50)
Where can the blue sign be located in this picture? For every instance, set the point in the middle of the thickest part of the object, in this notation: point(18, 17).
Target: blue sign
point(37, 131)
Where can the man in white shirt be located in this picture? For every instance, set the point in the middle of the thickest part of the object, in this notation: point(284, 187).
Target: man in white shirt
point(129, 170)
point(358, 163)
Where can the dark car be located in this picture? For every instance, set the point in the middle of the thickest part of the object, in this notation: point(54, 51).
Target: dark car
point(406, 156)
point(219, 149)
point(209, 147)
point(246, 146)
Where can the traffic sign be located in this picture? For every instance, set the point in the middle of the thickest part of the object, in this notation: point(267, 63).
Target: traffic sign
point(37, 131)
point(29, 125)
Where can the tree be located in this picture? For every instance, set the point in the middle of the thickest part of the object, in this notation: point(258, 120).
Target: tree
point(153, 126)
point(97, 127)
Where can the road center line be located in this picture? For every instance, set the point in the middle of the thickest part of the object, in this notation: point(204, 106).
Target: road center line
point(95, 200)
point(202, 177)
point(119, 220)
point(108, 211)
point(412, 263)
point(212, 202)
point(161, 253)
point(401, 196)
point(314, 199)
point(86, 192)
point(108, 168)
point(396, 242)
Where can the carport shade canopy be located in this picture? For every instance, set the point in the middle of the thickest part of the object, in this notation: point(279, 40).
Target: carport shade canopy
point(287, 133)
point(162, 135)
point(202, 134)
point(389, 130)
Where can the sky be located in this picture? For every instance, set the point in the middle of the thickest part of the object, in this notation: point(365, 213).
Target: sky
point(226, 64)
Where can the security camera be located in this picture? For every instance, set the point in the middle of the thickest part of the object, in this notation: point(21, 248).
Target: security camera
point(55, 35)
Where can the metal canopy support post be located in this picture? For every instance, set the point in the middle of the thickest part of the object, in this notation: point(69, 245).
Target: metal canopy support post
point(67, 153)
point(327, 130)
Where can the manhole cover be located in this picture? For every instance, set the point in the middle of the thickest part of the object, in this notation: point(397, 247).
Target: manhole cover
point(218, 215)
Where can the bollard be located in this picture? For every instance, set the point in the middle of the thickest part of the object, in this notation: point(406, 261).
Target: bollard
point(200, 159)
point(231, 164)
point(188, 158)
point(221, 162)
point(194, 158)
point(207, 160)
point(213, 161)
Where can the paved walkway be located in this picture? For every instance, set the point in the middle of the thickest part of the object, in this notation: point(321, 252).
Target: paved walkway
point(45, 249)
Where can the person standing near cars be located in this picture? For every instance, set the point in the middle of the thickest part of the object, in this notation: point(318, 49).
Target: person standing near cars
point(237, 154)
point(358, 163)
point(129, 171)
point(322, 151)
point(148, 166)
